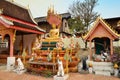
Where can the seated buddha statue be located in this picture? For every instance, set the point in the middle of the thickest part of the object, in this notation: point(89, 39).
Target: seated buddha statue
point(54, 33)
point(37, 44)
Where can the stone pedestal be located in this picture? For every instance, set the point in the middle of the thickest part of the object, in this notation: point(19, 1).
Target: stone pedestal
point(116, 72)
point(90, 70)
point(105, 73)
point(10, 63)
point(65, 77)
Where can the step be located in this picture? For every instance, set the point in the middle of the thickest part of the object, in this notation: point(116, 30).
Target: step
point(105, 73)
point(102, 64)
point(103, 68)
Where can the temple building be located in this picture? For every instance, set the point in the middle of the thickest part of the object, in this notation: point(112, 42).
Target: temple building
point(102, 34)
point(114, 23)
point(18, 29)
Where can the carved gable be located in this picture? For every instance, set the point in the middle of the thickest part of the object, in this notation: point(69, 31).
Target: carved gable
point(101, 29)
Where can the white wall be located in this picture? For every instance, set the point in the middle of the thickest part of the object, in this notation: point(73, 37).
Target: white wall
point(116, 43)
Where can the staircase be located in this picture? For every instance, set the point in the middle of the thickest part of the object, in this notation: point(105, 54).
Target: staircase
point(103, 68)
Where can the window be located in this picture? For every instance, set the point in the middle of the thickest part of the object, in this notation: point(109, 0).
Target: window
point(3, 44)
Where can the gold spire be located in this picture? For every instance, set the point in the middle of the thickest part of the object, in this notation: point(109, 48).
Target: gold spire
point(28, 7)
point(51, 9)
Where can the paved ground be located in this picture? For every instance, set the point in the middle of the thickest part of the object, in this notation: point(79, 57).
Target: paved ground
point(5, 75)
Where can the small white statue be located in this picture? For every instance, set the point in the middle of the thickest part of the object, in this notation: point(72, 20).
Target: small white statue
point(20, 64)
point(20, 68)
point(90, 69)
point(60, 68)
point(104, 56)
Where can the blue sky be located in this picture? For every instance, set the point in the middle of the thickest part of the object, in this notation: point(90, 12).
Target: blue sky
point(106, 8)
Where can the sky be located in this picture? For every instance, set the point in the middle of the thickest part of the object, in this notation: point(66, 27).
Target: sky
point(38, 8)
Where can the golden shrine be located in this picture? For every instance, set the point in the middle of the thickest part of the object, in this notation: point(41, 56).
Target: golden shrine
point(52, 49)
point(21, 32)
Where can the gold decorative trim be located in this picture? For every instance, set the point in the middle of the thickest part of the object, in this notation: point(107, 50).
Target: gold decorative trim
point(94, 26)
point(118, 23)
point(14, 36)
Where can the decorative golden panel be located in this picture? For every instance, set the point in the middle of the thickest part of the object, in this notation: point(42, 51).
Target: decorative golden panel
point(4, 31)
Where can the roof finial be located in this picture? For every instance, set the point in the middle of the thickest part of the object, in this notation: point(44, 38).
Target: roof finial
point(1, 11)
point(28, 6)
point(12, 0)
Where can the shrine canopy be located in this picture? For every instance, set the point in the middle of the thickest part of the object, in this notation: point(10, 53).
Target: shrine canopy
point(102, 35)
point(101, 29)
point(19, 16)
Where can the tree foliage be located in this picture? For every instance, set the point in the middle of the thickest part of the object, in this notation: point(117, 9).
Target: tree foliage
point(76, 25)
point(84, 10)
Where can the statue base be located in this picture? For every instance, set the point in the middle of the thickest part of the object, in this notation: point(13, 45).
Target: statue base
point(65, 77)
point(20, 71)
point(10, 63)
point(116, 72)
point(51, 39)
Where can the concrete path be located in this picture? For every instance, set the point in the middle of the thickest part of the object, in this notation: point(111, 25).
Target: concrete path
point(5, 75)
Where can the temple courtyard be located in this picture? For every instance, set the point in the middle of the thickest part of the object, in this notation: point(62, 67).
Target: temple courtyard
point(40, 48)
point(7, 75)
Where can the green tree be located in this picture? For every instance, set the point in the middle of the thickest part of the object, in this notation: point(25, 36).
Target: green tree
point(76, 25)
point(85, 11)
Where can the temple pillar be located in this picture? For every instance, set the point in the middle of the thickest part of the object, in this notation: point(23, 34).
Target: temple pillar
point(11, 59)
point(111, 46)
point(11, 46)
point(90, 49)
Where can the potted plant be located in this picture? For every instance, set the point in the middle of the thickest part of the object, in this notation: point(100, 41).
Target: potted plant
point(115, 59)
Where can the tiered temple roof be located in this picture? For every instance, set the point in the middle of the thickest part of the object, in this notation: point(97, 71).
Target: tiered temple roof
point(20, 16)
point(114, 23)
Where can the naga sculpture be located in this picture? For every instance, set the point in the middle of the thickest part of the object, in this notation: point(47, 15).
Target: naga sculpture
point(55, 21)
